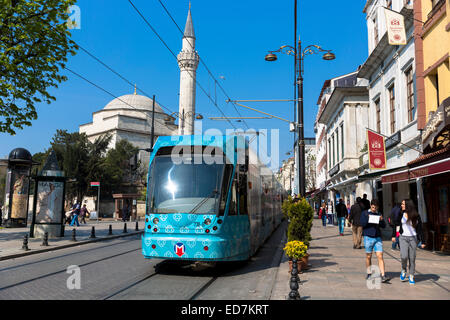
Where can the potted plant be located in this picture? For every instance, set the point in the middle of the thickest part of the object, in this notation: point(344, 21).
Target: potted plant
point(295, 250)
point(301, 216)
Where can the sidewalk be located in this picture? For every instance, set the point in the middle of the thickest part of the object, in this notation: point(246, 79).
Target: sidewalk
point(338, 271)
point(11, 239)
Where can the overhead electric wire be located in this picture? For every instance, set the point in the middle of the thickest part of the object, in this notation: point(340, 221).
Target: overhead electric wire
point(175, 56)
point(202, 61)
point(119, 75)
point(106, 91)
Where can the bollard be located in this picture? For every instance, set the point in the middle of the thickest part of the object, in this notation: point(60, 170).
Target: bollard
point(294, 294)
point(137, 227)
point(110, 230)
point(73, 235)
point(125, 228)
point(45, 240)
point(25, 243)
point(92, 233)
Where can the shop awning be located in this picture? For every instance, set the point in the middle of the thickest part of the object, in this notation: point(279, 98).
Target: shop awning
point(379, 173)
point(426, 170)
point(352, 179)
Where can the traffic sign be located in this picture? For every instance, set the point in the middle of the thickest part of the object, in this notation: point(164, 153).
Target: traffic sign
point(95, 184)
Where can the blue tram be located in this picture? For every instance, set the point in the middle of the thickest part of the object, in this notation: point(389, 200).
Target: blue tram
point(208, 199)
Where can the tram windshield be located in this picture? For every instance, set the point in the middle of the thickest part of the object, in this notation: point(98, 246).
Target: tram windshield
point(184, 188)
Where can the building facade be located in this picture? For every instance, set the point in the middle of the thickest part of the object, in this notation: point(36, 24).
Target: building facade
point(432, 169)
point(344, 116)
point(391, 74)
point(129, 117)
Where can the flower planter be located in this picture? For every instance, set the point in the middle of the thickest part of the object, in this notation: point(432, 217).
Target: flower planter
point(304, 262)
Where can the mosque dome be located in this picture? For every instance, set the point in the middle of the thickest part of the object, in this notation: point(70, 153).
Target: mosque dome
point(132, 102)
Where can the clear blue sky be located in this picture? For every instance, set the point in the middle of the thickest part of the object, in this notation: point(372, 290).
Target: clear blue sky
point(232, 39)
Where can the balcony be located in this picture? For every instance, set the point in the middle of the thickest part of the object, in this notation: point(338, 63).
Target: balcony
point(436, 8)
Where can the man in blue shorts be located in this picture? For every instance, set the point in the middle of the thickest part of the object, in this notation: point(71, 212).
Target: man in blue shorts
point(371, 220)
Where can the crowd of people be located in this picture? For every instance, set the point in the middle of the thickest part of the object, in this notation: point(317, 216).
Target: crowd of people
point(366, 222)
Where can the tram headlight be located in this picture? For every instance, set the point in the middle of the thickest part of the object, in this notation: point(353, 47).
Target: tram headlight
point(156, 221)
point(207, 221)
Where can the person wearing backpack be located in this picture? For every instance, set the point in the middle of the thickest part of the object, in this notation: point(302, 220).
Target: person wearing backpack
point(394, 223)
point(411, 232)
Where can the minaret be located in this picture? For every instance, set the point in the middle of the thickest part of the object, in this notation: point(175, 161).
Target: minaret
point(188, 62)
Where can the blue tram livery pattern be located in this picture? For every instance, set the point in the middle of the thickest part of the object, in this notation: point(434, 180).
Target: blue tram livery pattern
point(185, 236)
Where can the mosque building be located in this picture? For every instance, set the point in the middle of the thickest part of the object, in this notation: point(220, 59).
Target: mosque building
point(130, 116)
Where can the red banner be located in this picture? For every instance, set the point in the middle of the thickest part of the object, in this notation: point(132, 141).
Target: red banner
point(377, 151)
point(95, 184)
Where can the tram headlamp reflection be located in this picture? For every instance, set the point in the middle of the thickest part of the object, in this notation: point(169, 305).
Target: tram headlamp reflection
point(156, 221)
point(207, 221)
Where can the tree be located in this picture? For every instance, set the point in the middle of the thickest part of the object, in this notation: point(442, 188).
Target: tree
point(116, 166)
point(80, 160)
point(34, 44)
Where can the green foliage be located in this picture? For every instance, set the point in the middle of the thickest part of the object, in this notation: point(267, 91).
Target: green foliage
point(116, 166)
point(83, 162)
point(34, 45)
point(2, 184)
point(301, 216)
point(286, 206)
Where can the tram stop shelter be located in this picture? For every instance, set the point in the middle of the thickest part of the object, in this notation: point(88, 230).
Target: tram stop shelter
point(124, 201)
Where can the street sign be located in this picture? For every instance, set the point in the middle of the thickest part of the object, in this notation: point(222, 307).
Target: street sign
point(95, 184)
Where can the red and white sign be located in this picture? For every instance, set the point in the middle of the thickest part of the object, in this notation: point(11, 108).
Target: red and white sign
point(179, 249)
point(95, 184)
point(395, 26)
point(377, 150)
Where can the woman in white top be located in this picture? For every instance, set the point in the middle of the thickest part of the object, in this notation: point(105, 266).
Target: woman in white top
point(410, 234)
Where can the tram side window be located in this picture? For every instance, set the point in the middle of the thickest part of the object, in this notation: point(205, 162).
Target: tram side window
point(243, 194)
point(225, 185)
point(232, 211)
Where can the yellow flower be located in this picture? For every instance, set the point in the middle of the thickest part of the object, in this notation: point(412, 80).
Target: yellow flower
point(295, 249)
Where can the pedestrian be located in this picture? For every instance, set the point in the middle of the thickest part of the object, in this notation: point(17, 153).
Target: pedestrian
point(394, 222)
point(1, 213)
point(347, 223)
point(330, 212)
point(371, 221)
point(354, 218)
point(365, 202)
point(125, 211)
point(411, 232)
point(341, 213)
point(75, 212)
point(323, 214)
point(83, 213)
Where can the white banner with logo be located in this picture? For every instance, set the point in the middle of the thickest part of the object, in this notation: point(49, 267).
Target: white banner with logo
point(395, 26)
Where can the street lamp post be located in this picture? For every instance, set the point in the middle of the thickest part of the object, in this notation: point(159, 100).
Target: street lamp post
point(298, 68)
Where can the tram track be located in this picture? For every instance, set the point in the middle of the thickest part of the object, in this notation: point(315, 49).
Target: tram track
point(65, 269)
point(158, 275)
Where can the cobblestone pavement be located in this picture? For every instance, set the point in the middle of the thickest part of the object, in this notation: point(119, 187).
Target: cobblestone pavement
point(11, 239)
point(338, 271)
